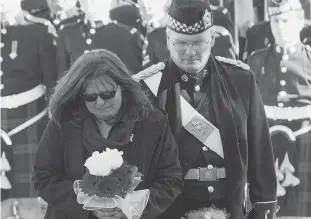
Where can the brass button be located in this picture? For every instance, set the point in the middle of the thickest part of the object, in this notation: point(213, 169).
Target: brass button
point(92, 31)
point(210, 167)
point(88, 41)
point(283, 82)
point(205, 148)
point(283, 69)
point(210, 189)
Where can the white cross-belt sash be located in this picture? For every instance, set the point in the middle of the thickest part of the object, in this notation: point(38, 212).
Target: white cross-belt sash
point(192, 120)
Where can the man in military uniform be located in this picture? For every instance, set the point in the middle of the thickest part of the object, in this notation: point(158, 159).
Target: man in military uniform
point(218, 119)
point(222, 17)
point(157, 50)
point(283, 73)
point(28, 73)
point(97, 30)
point(59, 13)
point(260, 36)
point(127, 12)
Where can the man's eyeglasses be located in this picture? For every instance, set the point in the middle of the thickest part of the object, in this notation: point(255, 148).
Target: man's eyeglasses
point(107, 95)
point(195, 45)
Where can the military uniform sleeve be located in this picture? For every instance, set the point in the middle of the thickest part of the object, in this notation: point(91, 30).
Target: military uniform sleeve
point(62, 56)
point(261, 171)
point(228, 22)
point(255, 63)
point(167, 183)
point(47, 56)
point(137, 43)
point(48, 179)
point(249, 48)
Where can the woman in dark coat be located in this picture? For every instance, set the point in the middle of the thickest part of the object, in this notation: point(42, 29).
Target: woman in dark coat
point(98, 105)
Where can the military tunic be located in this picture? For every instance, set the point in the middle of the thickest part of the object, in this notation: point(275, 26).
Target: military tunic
point(61, 19)
point(284, 80)
point(222, 17)
point(193, 154)
point(260, 36)
point(27, 63)
point(81, 37)
point(129, 14)
point(199, 194)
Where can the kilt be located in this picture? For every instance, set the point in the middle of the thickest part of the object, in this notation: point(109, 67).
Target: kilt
point(21, 153)
point(296, 203)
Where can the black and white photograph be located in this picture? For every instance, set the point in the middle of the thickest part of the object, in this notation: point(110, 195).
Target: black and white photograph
point(155, 109)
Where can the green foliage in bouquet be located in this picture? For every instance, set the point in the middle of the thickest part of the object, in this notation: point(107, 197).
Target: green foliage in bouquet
point(119, 182)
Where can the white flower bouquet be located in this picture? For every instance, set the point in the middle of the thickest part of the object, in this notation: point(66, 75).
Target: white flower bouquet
point(207, 213)
point(109, 182)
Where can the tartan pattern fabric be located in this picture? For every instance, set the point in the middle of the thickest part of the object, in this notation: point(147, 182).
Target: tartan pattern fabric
point(296, 204)
point(21, 153)
point(304, 174)
point(179, 27)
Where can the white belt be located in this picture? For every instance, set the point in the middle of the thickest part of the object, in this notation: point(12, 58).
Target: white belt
point(6, 136)
point(17, 100)
point(288, 113)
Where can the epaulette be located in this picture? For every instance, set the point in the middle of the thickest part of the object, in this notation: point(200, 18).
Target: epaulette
point(45, 22)
point(237, 63)
point(68, 24)
point(37, 20)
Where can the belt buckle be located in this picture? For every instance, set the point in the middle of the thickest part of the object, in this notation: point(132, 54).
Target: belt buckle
point(207, 175)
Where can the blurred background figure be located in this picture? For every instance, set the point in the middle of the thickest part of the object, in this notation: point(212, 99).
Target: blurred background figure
point(28, 73)
point(283, 72)
point(127, 12)
point(95, 31)
point(59, 12)
point(260, 36)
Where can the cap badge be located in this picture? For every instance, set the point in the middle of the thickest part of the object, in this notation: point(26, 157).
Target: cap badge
point(207, 17)
point(184, 78)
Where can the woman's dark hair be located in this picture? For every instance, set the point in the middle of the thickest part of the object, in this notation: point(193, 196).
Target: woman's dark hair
point(92, 65)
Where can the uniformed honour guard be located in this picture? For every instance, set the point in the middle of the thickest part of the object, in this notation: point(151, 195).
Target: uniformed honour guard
point(63, 13)
point(283, 72)
point(260, 36)
point(218, 119)
point(28, 73)
point(127, 12)
point(96, 31)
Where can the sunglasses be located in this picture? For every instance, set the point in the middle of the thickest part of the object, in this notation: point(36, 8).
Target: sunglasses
point(107, 95)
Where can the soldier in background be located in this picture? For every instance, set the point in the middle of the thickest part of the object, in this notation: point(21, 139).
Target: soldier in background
point(59, 13)
point(222, 17)
point(127, 12)
point(260, 36)
point(283, 72)
point(28, 73)
point(96, 31)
